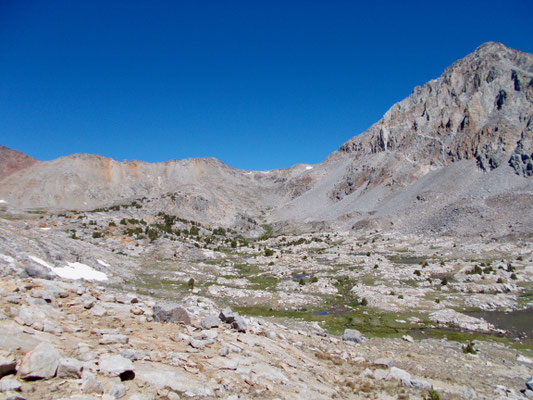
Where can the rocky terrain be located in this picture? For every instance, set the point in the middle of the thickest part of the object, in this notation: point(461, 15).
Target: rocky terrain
point(401, 267)
point(93, 305)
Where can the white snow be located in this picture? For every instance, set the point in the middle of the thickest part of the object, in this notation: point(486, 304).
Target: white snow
point(7, 259)
point(42, 262)
point(78, 270)
point(101, 262)
point(73, 270)
point(3, 201)
point(308, 167)
point(46, 229)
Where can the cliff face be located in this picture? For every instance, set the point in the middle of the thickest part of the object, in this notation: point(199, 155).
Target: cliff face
point(480, 108)
point(454, 156)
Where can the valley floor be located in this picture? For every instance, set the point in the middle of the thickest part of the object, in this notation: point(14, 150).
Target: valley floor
point(411, 304)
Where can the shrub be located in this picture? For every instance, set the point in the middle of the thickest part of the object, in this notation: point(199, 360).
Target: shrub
point(97, 235)
point(514, 277)
point(469, 349)
point(301, 281)
point(444, 281)
point(364, 302)
point(123, 221)
point(112, 224)
point(233, 244)
point(313, 279)
point(269, 252)
point(500, 280)
point(417, 272)
point(433, 395)
point(152, 234)
point(190, 283)
point(376, 266)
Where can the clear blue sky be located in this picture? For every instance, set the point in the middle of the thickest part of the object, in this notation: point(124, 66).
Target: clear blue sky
point(256, 84)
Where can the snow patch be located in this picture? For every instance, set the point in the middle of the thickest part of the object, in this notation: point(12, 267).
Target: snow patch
point(45, 229)
point(7, 259)
point(42, 262)
point(308, 167)
point(3, 201)
point(78, 270)
point(103, 263)
point(73, 270)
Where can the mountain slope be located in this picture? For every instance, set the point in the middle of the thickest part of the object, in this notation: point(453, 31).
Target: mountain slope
point(454, 152)
point(12, 161)
point(453, 157)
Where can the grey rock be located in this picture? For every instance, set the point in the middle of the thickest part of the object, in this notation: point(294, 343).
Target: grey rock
point(133, 355)
point(529, 383)
point(224, 351)
point(384, 362)
point(420, 384)
point(226, 315)
point(7, 363)
point(38, 271)
point(139, 396)
point(9, 383)
point(91, 385)
point(116, 365)
point(352, 335)
point(117, 391)
point(69, 368)
point(51, 327)
point(239, 324)
point(40, 363)
point(210, 321)
point(528, 393)
point(400, 375)
point(199, 344)
point(168, 312)
point(113, 339)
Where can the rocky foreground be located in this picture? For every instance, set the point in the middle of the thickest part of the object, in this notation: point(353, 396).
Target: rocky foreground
point(71, 331)
point(78, 340)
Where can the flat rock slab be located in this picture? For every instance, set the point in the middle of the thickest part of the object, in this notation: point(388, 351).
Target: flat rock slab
point(40, 363)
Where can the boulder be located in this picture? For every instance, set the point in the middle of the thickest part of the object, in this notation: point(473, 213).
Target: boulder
point(9, 383)
point(211, 321)
point(529, 383)
point(352, 335)
point(117, 391)
point(116, 365)
point(168, 312)
point(7, 363)
point(40, 363)
point(37, 271)
point(226, 315)
point(69, 368)
point(239, 324)
point(91, 385)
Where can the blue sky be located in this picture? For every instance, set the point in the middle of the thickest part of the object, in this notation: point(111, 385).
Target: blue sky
point(258, 85)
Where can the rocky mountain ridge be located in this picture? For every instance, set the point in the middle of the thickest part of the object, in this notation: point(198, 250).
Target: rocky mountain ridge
point(457, 150)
